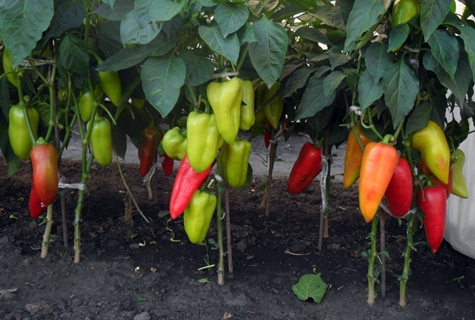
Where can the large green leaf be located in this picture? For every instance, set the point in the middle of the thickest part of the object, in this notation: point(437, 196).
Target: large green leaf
point(432, 13)
point(418, 118)
point(312, 34)
point(398, 36)
point(297, 80)
point(227, 47)
point(337, 58)
point(162, 79)
point(314, 99)
point(310, 286)
point(268, 52)
point(73, 55)
point(330, 15)
point(400, 86)
point(68, 14)
point(468, 35)
point(132, 33)
point(121, 8)
point(362, 17)
point(198, 68)
point(230, 18)
point(164, 10)
point(22, 23)
point(444, 48)
point(369, 89)
point(332, 81)
point(377, 60)
point(141, 10)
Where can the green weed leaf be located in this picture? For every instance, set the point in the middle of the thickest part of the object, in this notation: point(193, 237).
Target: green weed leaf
point(310, 286)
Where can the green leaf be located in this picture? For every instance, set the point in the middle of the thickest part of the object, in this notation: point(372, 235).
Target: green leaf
point(119, 141)
point(198, 68)
point(314, 99)
point(332, 81)
point(330, 16)
point(468, 34)
point(297, 80)
point(246, 34)
point(312, 34)
point(73, 55)
point(400, 86)
point(132, 33)
point(444, 48)
point(369, 89)
point(22, 23)
point(432, 13)
point(337, 58)
point(377, 60)
point(164, 10)
point(230, 18)
point(268, 52)
point(397, 36)
point(362, 17)
point(162, 79)
point(418, 118)
point(227, 47)
point(121, 8)
point(68, 14)
point(310, 286)
point(141, 10)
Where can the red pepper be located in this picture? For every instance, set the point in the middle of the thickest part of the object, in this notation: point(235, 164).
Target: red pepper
point(187, 181)
point(400, 191)
point(305, 169)
point(148, 148)
point(44, 161)
point(432, 201)
point(167, 165)
point(447, 186)
point(35, 205)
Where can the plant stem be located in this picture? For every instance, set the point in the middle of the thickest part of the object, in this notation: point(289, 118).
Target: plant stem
point(371, 261)
point(407, 260)
point(382, 240)
point(228, 231)
point(219, 225)
point(46, 235)
point(272, 148)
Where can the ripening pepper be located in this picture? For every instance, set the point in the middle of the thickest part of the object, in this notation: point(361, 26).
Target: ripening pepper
point(35, 205)
point(44, 163)
point(101, 140)
point(9, 70)
point(459, 186)
point(187, 181)
point(198, 215)
point(273, 110)
point(18, 133)
point(447, 186)
point(377, 167)
point(151, 137)
point(203, 140)
point(353, 156)
point(404, 10)
point(432, 144)
point(235, 160)
point(248, 117)
point(306, 168)
point(167, 165)
point(400, 190)
point(225, 100)
point(432, 201)
point(174, 143)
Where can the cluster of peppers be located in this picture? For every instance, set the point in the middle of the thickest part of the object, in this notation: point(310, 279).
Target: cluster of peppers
point(384, 173)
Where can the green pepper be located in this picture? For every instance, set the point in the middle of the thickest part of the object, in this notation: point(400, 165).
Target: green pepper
point(459, 185)
point(404, 11)
point(9, 70)
point(198, 215)
point(18, 133)
point(174, 143)
point(110, 83)
point(272, 110)
point(101, 140)
point(225, 100)
point(248, 117)
point(86, 103)
point(235, 160)
point(204, 140)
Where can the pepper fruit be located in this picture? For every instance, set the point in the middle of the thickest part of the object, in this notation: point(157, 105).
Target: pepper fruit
point(198, 215)
point(447, 186)
point(187, 181)
point(307, 166)
point(273, 110)
point(44, 163)
point(101, 140)
point(110, 84)
point(400, 191)
point(18, 133)
point(86, 103)
point(148, 148)
point(9, 70)
point(138, 103)
point(225, 100)
point(248, 117)
point(174, 143)
point(353, 156)
point(167, 165)
point(404, 10)
point(235, 160)
point(459, 186)
point(432, 201)
point(35, 205)
point(377, 167)
point(204, 140)
point(432, 144)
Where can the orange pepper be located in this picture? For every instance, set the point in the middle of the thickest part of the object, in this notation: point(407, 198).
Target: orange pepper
point(353, 156)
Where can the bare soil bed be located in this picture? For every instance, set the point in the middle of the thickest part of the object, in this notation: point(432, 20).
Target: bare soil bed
point(131, 269)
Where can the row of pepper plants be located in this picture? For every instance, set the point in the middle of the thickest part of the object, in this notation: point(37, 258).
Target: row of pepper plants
point(185, 80)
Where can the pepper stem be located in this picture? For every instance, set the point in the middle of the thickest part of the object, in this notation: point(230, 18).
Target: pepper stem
point(46, 235)
point(219, 224)
point(407, 260)
point(372, 258)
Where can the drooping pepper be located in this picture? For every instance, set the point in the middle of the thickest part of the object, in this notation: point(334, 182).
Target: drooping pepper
point(235, 160)
point(167, 165)
point(44, 163)
point(353, 156)
point(248, 117)
point(187, 181)
point(9, 70)
point(151, 137)
point(377, 167)
point(174, 143)
point(447, 186)
point(101, 140)
point(459, 186)
point(198, 215)
point(110, 84)
point(432, 144)
point(225, 100)
point(203, 140)
point(400, 190)
point(18, 133)
point(273, 110)
point(432, 201)
point(35, 205)
point(403, 11)
point(86, 103)
point(306, 168)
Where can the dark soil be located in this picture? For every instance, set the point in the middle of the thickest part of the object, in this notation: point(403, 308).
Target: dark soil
point(119, 277)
